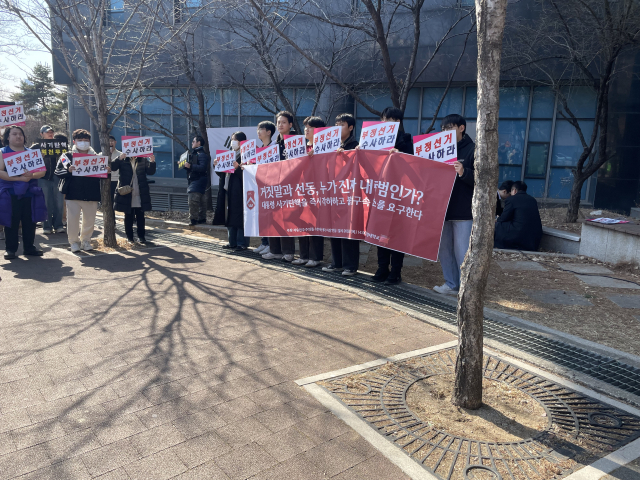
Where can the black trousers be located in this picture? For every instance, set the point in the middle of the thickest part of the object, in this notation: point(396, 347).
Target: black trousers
point(282, 245)
point(20, 212)
point(311, 248)
point(128, 223)
point(345, 253)
point(386, 257)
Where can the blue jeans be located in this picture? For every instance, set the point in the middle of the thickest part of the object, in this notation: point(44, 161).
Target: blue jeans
point(237, 238)
point(53, 199)
point(453, 247)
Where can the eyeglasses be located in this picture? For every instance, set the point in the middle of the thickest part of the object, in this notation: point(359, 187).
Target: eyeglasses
point(448, 127)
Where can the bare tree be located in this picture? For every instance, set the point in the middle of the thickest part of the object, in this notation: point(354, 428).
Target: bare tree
point(577, 42)
point(467, 390)
point(384, 27)
point(103, 55)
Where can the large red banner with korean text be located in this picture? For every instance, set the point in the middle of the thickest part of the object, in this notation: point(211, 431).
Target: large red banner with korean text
point(396, 201)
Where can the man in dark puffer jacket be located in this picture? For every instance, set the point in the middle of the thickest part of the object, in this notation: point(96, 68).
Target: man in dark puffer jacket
point(198, 180)
point(456, 230)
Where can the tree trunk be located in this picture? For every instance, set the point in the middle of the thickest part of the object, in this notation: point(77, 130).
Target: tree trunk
point(467, 391)
point(108, 215)
point(574, 199)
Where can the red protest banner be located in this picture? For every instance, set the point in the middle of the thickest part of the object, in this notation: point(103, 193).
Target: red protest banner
point(397, 201)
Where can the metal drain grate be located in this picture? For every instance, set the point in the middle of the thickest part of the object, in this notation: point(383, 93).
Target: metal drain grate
point(577, 427)
point(605, 369)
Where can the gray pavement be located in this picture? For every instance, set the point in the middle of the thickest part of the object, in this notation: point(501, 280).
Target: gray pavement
point(172, 363)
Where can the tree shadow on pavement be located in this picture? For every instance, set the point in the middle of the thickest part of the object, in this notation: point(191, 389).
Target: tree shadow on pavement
point(45, 270)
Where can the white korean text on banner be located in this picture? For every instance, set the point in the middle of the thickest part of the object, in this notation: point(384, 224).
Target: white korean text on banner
point(295, 146)
point(248, 151)
point(12, 115)
point(268, 154)
point(137, 146)
point(90, 165)
point(441, 147)
point(378, 135)
point(225, 160)
point(21, 162)
point(326, 139)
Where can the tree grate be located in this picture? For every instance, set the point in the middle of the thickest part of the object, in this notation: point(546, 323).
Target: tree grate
point(579, 429)
point(606, 369)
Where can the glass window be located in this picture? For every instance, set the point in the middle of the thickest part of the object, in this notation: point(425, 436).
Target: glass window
point(537, 157)
point(305, 99)
point(230, 96)
point(117, 5)
point(514, 102)
point(152, 124)
point(511, 141)
point(543, 101)
point(540, 131)
point(581, 101)
point(509, 173)
point(566, 144)
point(256, 106)
point(180, 130)
point(431, 98)
point(471, 129)
point(560, 183)
point(413, 104)
point(164, 165)
point(411, 126)
point(156, 101)
point(379, 99)
point(118, 130)
point(535, 187)
point(471, 103)
point(437, 126)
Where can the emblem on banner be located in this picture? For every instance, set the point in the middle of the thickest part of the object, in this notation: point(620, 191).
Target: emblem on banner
point(251, 201)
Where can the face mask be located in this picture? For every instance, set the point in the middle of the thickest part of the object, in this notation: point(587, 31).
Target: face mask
point(235, 144)
point(83, 145)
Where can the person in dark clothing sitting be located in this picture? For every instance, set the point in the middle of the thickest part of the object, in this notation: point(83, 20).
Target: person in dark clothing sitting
point(504, 192)
point(519, 227)
point(386, 257)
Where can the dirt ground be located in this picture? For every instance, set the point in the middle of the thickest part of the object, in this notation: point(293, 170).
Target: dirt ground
point(554, 216)
point(506, 414)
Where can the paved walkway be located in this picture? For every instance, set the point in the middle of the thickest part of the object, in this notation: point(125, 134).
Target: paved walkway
point(172, 363)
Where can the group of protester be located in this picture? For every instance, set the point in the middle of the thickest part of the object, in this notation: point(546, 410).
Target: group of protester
point(32, 197)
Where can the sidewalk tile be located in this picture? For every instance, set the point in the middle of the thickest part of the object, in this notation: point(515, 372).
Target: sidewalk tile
point(557, 297)
point(117, 428)
point(199, 450)
point(14, 419)
point(296, 468)
point(521, 265)
point(625, 301)
point(23, 461)
point(243, 432)
point(157, 439)
point(244, 462)
point(236, 409)
point(374, 467)
point(606, 282)
point(286, 443)
point(198, 423)
point(334, 457)
point(159, 466)
point(37, 433)
point(69, 469)
point(110, 457)
point(72, 445)
point(206, 471)
point(279, 417)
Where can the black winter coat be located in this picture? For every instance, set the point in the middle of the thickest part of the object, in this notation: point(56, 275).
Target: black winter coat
point(350, 143)
point(404, 142)
point(77, 188)
point(519, 227)
point(144, 167)
point(197, 173)
point(230, 205)
point(462, 193)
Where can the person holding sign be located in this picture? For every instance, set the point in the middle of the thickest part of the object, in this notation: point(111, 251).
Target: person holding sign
point(388, 257)
point(51, 149)
point(281, 247)
point(197, 177)
point(458, 221)
point(311, 247)
point(266, 130)
point(21, 200)
point(230, 204)
point(345, 252)
point(82, 193)
point(136, 200)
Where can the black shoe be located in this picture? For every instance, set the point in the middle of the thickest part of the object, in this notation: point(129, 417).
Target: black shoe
point(9, 255)
point(193, 222)
point(130, 240)
point(202, 221)
point(142, 240)
point(381, 275)
point(227, 247)
point(34, 253)
point(394, 279)
point(240, 249)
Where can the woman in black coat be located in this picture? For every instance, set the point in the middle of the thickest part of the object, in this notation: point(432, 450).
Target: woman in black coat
point(138, 201)
point(230, 206)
